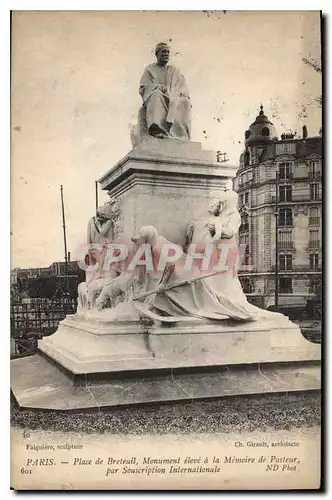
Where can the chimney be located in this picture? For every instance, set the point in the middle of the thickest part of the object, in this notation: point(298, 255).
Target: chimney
point(68, 256)
point(304, 132)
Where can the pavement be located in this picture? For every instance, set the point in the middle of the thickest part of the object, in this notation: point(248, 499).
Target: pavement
point(232, 414)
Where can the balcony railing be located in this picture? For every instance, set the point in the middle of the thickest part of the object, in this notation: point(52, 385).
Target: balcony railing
point(285, 244)
point(314, 221)
point(314, 175)
point(316, 197)
point(313, 244)
point(243, 183)
point(281, 269)
point(307, 268)
point(299, 269)
point(286, 177)
point(301, 197)
point(298, 197)
point(282, 201)
point(315, 268)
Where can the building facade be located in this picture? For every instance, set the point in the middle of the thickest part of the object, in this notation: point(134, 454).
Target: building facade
point(45, 281)
point(280, 180)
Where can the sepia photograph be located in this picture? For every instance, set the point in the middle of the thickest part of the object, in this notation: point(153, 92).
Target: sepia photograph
point(166, 250)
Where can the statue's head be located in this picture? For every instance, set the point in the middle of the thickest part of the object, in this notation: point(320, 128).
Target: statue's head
point(146, 235)
point(103, 213)
point(162, 51)
point(215, 207)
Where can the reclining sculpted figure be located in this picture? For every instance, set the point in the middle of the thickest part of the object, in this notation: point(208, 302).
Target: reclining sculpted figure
point(117, 290)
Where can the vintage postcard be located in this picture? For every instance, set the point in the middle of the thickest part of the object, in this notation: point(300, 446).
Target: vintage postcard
point(166, 265)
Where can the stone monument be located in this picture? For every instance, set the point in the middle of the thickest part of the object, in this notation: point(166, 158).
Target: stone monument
point(172, 330)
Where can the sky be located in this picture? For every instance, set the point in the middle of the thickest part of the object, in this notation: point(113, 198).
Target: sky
point(74, 98)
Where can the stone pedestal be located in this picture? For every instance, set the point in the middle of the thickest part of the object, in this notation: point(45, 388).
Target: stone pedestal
point(110, 358)
point(100, 364)
point(165, 183)
point(85, 346)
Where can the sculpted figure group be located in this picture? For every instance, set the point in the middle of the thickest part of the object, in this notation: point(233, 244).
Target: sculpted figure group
point(182, 288)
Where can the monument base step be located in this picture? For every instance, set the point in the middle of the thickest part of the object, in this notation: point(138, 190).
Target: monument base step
point(40, 383)
point(83, 346)
point(97, 364)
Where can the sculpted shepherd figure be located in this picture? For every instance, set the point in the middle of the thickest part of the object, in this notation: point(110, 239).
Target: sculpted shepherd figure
point(166, 100)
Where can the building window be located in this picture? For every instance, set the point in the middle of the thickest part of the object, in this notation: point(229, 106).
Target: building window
point(246, 158)
point(285, 148)
point(265, 132)
point(246, 198)
point(285, 193)
point(314, 192)
point(285, 285)
point(244, 241)
point(314, 219)
point(246, 284)
point(315, 286)
point(285, 217)
point(246, 178)
point(285, 262)
point(314, 261)
point(244, 223)
point(285, 240)
point(284, 171)
point(314, 238)
point(314, 170)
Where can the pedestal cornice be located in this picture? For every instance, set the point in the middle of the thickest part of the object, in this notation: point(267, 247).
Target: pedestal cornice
point(168, 158)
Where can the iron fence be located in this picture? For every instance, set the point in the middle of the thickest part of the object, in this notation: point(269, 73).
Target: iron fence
point(39, 316)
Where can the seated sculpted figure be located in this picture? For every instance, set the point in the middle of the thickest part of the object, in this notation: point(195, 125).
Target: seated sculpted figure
point(100, 227)
point(99, 234)
point(220, 228)
point(96, 286)
point(217, 228)
point(166, 100)
point(89, 291)
point(109, 285)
